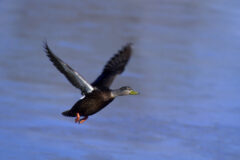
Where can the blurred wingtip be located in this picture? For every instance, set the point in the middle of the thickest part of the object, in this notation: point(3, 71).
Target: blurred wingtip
point(130, 44)
point(45, 44)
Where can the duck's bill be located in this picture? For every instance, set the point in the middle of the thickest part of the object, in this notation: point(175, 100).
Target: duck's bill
point(134, 92)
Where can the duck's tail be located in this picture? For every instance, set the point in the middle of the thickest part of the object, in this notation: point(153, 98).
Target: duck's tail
point(68, 113)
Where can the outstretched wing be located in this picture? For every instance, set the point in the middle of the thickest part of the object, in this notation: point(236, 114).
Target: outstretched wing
point(114, 67)
point(75, 78)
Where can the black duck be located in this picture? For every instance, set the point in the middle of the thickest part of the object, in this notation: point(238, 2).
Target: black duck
point(98, 94)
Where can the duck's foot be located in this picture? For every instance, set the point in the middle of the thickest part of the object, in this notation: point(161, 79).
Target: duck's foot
point(83, 119)
point(78, 118)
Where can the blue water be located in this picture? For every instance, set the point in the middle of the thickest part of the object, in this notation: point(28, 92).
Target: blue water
point(185, 65)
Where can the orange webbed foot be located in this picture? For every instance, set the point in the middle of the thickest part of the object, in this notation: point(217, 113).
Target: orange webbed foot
point(83, 119)
point(78, 118)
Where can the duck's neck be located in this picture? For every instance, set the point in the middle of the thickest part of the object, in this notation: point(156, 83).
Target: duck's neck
point(117, 92)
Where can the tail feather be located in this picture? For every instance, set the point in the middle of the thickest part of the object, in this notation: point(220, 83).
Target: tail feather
point(68, 113)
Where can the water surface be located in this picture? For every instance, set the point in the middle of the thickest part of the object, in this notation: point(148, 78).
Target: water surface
point(185, 64)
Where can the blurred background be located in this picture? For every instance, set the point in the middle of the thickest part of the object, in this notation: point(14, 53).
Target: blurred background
point(185, 65)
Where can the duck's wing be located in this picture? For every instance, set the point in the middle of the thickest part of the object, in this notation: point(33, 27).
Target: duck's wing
point(113, 67)
point(75, 78)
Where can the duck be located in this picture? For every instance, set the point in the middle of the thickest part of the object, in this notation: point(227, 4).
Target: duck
point(96, 95)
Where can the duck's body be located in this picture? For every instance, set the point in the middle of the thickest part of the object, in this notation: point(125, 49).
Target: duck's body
point(98, 94)
point(91, 103)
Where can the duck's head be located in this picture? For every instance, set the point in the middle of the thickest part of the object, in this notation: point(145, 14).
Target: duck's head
point(126, 90)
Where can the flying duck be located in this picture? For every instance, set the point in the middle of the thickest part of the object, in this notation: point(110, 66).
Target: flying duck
point(96, 95)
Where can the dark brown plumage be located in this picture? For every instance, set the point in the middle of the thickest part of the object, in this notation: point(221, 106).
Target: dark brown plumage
point(96, 95)
point(91, 104)
point(114, 66)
